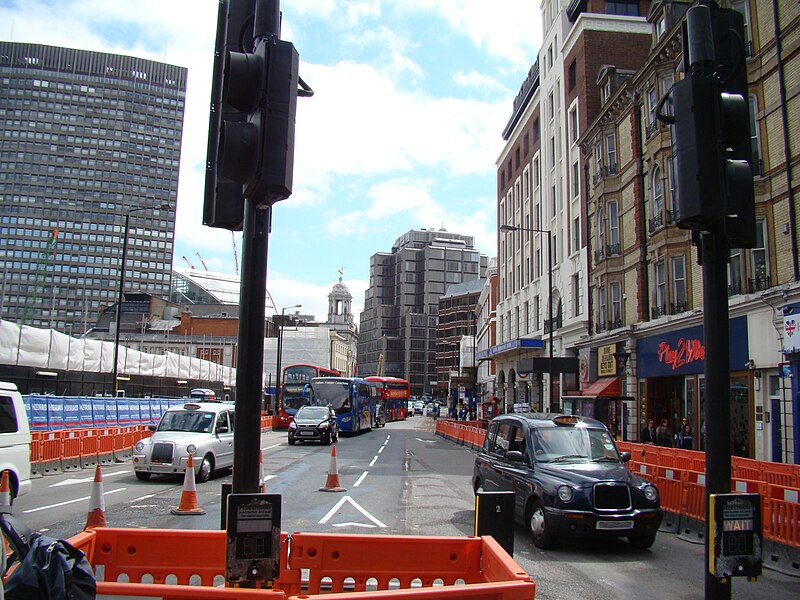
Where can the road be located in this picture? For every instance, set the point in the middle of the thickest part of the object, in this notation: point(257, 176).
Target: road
point(401, 479)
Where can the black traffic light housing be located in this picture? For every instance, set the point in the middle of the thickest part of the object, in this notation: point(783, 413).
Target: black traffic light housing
point(252, 115)
point(711, 136)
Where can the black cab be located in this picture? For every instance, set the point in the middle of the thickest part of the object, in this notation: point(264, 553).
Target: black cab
point(568, 479)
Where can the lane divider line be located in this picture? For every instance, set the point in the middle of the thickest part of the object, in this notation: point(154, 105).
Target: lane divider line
point(33, 510)
point(360, 479)
point(374, 460)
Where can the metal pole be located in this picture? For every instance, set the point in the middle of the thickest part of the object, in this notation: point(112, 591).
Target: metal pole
point(120, 296)
point(550, 311)
point(279, 349)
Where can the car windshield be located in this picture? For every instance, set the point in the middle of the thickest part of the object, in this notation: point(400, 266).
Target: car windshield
point(312, 412)
point(573, 444)
point(187, 420)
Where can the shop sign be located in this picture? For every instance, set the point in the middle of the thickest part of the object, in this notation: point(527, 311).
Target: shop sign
point(682, 352)
point(791, 332)
point(606, 362)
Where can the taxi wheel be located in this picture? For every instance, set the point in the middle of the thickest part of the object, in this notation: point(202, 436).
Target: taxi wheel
point(542, 537)
point(142, 476)
point(291, 441)
point(205, 470)
point(642, 542)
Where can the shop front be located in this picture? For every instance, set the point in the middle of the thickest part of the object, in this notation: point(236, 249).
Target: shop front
point(670, 368)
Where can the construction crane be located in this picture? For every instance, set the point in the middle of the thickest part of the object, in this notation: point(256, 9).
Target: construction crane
point(45, 262)
point(202, 261)
point(187, 261)
point(235, 254)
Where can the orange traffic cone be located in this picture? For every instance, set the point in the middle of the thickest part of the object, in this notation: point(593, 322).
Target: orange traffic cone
point(262, 485)
point(332, 483)
point(97, 504)
point(188, 503)
point(5, 494)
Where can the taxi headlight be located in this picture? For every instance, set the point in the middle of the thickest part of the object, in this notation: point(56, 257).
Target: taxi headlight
point(139, 446)
point(651, 493)
point(191, 449)
point(565, 493)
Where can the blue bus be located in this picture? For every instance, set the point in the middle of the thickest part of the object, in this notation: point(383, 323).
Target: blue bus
point(352, 399)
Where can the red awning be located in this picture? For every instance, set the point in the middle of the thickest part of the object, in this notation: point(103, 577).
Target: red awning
point(607, 386)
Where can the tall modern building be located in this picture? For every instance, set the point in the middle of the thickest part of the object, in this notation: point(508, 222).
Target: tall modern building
point(397, 334)
point(89, 142)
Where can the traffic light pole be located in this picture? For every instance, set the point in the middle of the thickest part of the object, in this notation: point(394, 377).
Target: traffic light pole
point(252, 299)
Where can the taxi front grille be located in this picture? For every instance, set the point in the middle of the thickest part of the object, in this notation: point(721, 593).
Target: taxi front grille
point(162, 453)
point(612, 496)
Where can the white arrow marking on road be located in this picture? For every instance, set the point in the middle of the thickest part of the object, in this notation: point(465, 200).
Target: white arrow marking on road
point(355, 505)
point(426, 441)
point(86, 479)
point(366, 525)
point(32, 510)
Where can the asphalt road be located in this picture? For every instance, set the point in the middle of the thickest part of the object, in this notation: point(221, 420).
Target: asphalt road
point(399, 480)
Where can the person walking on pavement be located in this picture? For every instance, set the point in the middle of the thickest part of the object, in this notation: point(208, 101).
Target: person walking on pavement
point(685, 436)
point(664, 434)
point(649, 433)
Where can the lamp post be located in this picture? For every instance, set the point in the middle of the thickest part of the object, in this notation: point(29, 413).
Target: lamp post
point(122, 282)
point(278, 381)
point(549, 233)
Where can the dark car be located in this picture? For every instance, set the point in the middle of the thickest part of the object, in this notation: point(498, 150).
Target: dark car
point(568, 479)
point(314, 424)
point(380, 416)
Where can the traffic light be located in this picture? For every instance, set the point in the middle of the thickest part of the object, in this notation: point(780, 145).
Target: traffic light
point(711, 136)
point(251, 132)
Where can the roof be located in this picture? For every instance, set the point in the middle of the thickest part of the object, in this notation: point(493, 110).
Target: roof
point(219, 287)
point(474, 286)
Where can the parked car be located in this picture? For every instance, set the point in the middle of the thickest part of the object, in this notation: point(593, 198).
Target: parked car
point(568, 479)
point(380, 416)
point(15, 440)
point(314, 424)
point(202, 429)
point(419, 407)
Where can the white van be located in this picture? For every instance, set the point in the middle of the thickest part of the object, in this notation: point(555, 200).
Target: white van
point(15, 440)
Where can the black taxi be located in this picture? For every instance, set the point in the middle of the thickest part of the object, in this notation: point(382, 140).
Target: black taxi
point(568, 479)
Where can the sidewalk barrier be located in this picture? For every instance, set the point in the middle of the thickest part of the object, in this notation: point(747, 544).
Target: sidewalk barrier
point(51, 453)
point(332, 482)
point(97, 503)
point(127, 560)
point(71, 449)
point(693, 514)
point(188, 503)
point(105, 444)
point(5, 494)
point(89, 447)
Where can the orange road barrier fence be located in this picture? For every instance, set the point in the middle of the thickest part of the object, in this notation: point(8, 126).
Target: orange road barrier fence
point(139, 562)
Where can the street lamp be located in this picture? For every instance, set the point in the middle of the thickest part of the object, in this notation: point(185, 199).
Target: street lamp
point(121, 296)
point(278, 383)
point(549, 233)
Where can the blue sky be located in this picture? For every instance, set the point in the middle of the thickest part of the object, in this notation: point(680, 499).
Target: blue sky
point(403, 131)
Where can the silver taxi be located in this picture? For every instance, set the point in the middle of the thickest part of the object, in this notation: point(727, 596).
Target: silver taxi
point(202, 429)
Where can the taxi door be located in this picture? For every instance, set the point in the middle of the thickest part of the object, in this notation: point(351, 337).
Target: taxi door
point(224, 433)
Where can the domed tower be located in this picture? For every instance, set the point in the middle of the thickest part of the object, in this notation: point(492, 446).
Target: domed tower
point(340, 323)
point(340, 303)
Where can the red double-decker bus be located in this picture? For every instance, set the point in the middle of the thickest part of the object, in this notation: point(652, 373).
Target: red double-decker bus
point(393, 393)
point(293, 393)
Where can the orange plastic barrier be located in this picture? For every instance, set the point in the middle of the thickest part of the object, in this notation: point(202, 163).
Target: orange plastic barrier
point(137, 562)
point(89, 447)
point(781, 515)
point(70, 448)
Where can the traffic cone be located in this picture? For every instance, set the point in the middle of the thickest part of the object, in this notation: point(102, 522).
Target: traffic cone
point(97, 503)
point(5, 494)
point(332, 483)
point(188, 503)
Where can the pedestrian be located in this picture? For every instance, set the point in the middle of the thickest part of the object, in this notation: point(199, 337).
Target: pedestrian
point(685, 436)
point(649, 433)
point(664, 434)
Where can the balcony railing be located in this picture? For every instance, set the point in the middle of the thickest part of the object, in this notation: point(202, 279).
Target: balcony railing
point(677, 307)
point(652, 128)
point(759, 284)
point(734, 288)
point(659, 311)
point(612, 249)
point(656, 222)
point(672, 216)
point(600, 326)
point(599, 254)
point(610, 169)
point(614, 324)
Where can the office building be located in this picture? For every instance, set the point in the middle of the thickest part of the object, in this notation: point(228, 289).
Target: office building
point(88, 142)
point(397, 333)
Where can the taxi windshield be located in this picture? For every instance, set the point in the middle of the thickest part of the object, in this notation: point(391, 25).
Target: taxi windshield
point(573, 444)
point(187, 420)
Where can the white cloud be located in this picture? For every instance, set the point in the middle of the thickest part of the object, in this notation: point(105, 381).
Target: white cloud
point(477, 79)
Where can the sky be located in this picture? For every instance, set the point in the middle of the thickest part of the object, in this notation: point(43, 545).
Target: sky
point(403, 130)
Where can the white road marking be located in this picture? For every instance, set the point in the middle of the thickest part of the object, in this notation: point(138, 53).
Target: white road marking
point(381, 448)
point(386, 442)
point(273, 446)
point(86, 479)
point(366, 525)
point(355, 505)
point(426, 441)
point(360, 479)
point(33, 510)
point(143, 498)
point(374, 460)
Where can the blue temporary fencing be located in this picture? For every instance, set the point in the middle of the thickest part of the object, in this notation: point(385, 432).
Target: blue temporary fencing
point(65, 412)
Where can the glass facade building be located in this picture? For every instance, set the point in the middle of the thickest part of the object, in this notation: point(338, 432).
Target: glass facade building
point(86, 140)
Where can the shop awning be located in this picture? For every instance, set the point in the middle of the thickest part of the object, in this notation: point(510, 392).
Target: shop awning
point(607, 386)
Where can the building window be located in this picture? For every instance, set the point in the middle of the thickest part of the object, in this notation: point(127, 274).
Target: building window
point(678, 284)
point(611, 153)
point(598, 159)
point(613, 227)
point(616, 305)
point(657, 186)
point(576, 234)
point(758, 256)
point(755, 144)
point(572, 75)
point(626, 8)
point(660, 307)
point(576, 188)
point(741, 7)
point(577, 299)
point(601, 233)
point(601, 307)
point(735, 272)
point(652, 104)
point(573, 125)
